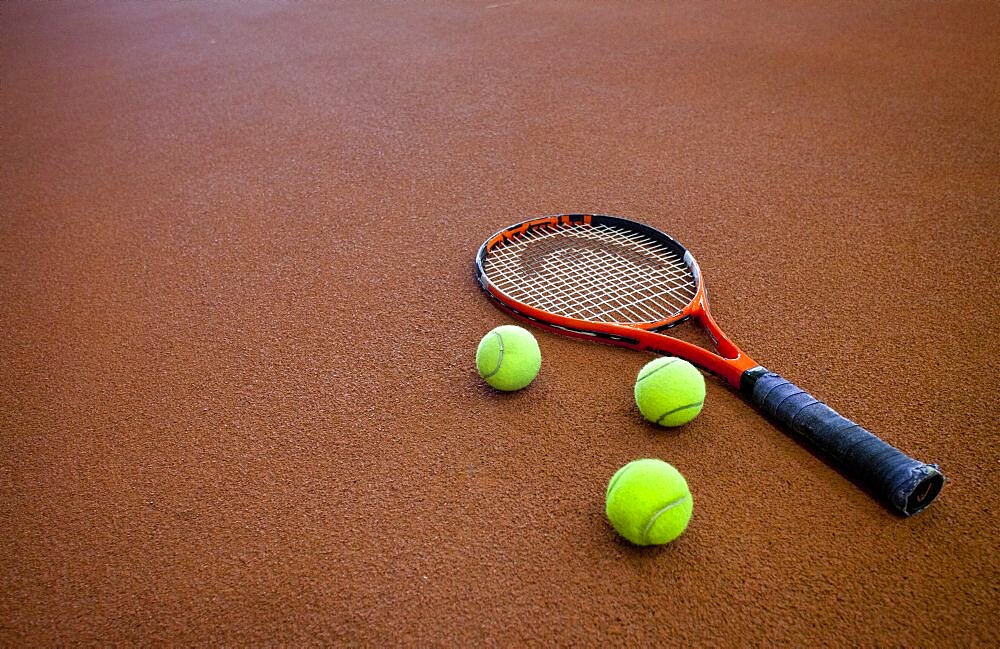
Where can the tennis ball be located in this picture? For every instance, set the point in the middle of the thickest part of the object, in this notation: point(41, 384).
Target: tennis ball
point(508, 358)
point(669, 391)
point(648, 502)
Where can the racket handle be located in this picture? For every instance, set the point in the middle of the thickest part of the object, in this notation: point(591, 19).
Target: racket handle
point(907, 484)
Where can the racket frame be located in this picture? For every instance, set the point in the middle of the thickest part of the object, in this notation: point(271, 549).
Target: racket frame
point(730, 363)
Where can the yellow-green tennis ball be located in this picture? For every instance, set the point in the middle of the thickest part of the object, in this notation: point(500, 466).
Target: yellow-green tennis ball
point(508, 358)
point(648, 502)
point(669, 391)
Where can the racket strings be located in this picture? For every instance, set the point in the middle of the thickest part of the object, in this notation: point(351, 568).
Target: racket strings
point(598, 273)
point(625, 297)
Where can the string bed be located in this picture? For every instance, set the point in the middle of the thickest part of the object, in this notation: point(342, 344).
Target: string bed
point(597, 273)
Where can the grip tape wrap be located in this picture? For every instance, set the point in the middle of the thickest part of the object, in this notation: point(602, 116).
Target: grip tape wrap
point(906, 484)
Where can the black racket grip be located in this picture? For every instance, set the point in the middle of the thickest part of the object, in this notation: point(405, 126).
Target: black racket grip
point(906, 484)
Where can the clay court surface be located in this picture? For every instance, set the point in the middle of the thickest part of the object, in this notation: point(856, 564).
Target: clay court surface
point(238, 318)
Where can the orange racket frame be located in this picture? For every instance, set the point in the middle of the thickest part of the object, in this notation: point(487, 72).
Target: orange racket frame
point(730, 363)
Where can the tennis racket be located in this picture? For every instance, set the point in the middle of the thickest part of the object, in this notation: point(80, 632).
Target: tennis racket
point(616, 281)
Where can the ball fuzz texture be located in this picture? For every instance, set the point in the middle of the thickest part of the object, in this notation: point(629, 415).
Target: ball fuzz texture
point(648, 502)
point(508, 358)
point(669, 391)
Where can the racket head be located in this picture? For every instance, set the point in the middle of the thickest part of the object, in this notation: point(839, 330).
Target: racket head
point(591, 274)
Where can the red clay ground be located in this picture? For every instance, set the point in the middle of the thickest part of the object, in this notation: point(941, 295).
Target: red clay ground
point(237, 398)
